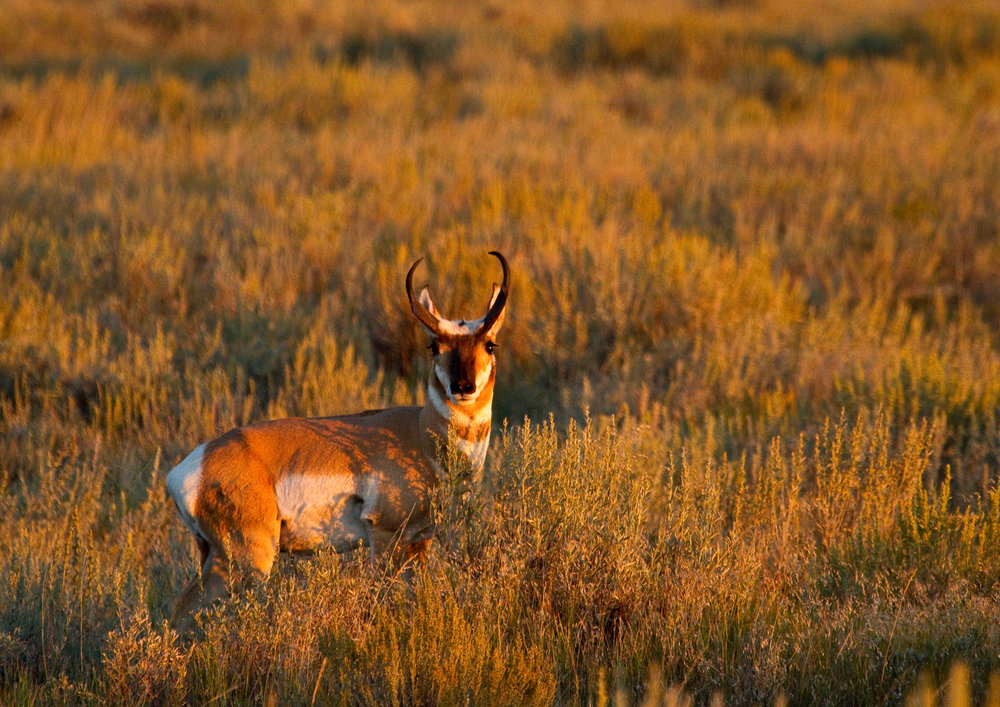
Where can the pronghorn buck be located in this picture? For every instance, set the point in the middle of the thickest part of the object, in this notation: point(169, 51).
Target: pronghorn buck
point(342, 482)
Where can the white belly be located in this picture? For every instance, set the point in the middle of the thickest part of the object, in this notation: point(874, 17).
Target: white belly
point(321, 510)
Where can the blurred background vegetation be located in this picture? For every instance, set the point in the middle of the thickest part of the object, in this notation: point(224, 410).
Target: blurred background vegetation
point(751, 369)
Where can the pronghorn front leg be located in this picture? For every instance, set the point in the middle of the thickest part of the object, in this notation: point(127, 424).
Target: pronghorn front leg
point(397, 552)
point(396, 541)
point(380, 541)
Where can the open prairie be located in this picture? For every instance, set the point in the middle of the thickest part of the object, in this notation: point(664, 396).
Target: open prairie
point(746, 435)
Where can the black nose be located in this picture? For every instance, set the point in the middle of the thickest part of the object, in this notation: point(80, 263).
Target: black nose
point(462, 388)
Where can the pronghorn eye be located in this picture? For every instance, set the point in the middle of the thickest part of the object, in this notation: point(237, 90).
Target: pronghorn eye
point(490, 347)
point(435, 349)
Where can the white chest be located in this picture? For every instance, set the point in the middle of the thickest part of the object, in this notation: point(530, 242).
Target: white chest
point(474, 451)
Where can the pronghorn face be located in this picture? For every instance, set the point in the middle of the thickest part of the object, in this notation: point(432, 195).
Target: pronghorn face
point(464, 363)
point(463, 351)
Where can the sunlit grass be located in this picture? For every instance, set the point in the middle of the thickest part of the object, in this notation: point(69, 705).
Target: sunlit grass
point(751, 374)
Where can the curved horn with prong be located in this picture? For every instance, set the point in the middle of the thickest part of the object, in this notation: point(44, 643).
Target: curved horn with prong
point(421, 312)
point(501, 301)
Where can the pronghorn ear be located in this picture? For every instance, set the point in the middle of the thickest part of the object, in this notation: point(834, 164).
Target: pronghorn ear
point(493, 298)
point(424, 298)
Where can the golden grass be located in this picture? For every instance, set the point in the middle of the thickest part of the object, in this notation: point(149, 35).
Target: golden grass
point(755, 253)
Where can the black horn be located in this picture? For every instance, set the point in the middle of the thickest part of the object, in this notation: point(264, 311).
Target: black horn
point(501, 300)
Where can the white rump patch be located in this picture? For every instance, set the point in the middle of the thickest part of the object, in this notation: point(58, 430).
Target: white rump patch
point(182, 484)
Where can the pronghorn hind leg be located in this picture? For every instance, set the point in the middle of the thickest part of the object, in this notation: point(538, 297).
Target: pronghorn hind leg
point(253, 554)
point(190, 597)
point(240, 514)
point(214, 578)
point(240, 521)
point(211, 583)
point(186, 605)
point(249, 552)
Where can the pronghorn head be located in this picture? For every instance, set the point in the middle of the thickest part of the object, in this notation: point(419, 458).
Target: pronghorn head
point(463, 350)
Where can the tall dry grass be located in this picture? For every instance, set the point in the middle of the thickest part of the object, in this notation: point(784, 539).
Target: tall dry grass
point(751, 374)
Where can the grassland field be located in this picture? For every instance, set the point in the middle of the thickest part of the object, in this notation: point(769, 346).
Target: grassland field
point(747, 424)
